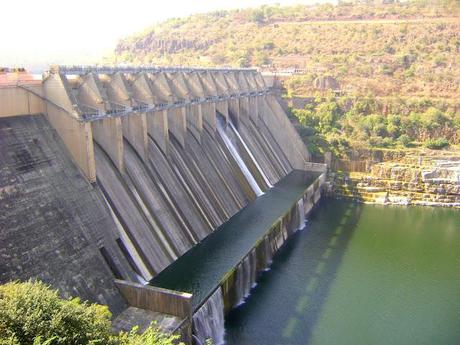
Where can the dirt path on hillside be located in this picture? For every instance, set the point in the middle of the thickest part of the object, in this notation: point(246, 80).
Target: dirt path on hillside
point(373, 21)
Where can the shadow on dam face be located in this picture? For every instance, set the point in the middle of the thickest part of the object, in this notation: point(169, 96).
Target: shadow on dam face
point(320, 247)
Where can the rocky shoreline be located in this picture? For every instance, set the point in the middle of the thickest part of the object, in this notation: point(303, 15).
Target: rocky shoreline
point(427, 179)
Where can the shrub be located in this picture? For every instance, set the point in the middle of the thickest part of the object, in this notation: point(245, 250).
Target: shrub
point(306, 131)
point(404, 140)
point(152, 336)
point(33, 314)
point(437, 144)
point(30, 310)
point(387, 142)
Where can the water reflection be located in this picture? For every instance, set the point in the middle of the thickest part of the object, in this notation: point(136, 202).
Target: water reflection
point(303, 286)
point(359, 274)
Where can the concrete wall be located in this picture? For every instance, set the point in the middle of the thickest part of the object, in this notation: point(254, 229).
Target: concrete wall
point(161, 301)
point(15, 101)
point(54, 224)
point(77, 137)
point(109, 135)
point(208, 111)
point(157, 128)
point(156, 299)
point(135, 131)
point(177, 123)
point(194, 116)
point(62, 113)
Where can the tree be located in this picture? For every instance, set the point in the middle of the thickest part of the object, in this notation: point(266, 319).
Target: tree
point(258, 16)
point(328, 114)
point(433, 118)
point(33, 314)
point(31, 310)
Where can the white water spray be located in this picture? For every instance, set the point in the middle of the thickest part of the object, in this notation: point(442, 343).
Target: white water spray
point(246, 276)
point(267, 182)
point(233, 150)
point(208, 321)
point(301, 210)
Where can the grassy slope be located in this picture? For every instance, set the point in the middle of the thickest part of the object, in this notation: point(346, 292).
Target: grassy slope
point(397, 65)
point(386, 50)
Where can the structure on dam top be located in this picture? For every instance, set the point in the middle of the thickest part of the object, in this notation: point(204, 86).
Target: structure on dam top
point(110, 175)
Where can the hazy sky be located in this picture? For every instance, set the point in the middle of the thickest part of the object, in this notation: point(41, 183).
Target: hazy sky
point(41, 32)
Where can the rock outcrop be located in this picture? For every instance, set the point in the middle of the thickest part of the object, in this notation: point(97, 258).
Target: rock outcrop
point(432, 180)
point(326, 83)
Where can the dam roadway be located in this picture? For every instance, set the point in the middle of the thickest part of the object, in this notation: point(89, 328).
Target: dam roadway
point(201, 270)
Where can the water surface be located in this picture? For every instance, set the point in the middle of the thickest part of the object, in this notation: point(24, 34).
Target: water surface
point(202, 268)
point(359, 274)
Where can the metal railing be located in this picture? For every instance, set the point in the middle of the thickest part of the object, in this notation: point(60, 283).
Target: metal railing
point(166, 106)
point(81, 70)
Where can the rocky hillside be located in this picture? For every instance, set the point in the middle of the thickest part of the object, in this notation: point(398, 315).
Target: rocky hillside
point(406, 48)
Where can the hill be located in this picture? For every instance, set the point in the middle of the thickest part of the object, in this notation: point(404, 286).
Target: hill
point(401, 57)
point(391, 49)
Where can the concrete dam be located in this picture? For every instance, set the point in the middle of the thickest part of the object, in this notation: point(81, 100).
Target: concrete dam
point(160, 192)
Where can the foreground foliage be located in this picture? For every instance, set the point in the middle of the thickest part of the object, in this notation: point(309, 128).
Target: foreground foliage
point(32, 313)
point(150, 337)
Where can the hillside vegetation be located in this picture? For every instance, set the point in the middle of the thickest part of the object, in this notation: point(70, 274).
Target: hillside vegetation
point(408, 49)
point(402, 56)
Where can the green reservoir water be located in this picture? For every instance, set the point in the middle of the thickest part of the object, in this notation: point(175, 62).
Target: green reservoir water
point(359, 274)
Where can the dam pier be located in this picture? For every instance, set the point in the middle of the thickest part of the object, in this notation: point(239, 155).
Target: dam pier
point(160, 192)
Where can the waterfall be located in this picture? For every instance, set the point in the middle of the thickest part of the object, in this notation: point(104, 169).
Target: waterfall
point(278, 241)
point(268, 253)
point(267, 182)
point(301, 208)
point(233, 150)
point(208, 321)
point(246, 276)
point(141, 280)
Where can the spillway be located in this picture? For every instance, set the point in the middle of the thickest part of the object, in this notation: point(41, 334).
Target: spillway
point(221, 127)
point(208, 321)
point(301, 211)
point(234, 253)
point(141, 229)
point(248, 151)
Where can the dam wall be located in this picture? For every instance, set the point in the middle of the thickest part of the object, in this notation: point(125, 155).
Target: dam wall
point(54, 225)
point(17, 101)
point(129, 169)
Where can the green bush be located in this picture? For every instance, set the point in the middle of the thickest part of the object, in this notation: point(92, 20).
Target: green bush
point(437, 144)
point(30, 310)
point(152, 336)
point(405, 140)
point(33, 314)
